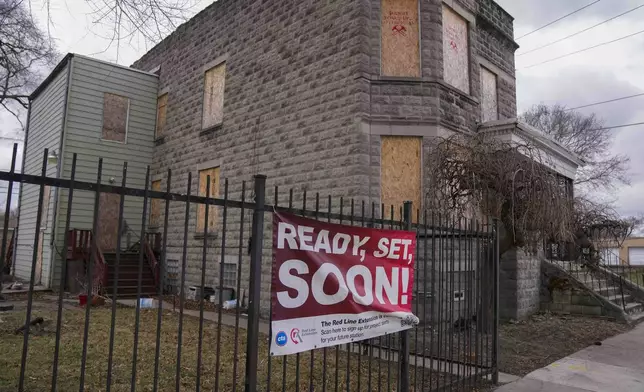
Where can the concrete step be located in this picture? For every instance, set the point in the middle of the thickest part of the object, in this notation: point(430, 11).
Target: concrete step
point(633, 307)
point(608, 291)
point(637, 317)
point(617, 298)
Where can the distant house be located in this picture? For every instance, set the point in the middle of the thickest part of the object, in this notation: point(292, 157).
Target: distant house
point(630, 252)
point(93, 109)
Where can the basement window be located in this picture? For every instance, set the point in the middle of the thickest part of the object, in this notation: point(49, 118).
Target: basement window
point(116, 110)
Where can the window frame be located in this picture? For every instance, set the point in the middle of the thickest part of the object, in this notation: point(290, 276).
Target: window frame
point(211, 230)
point(468, 27)
point(160, 136)
point(127, 119)
point(220, 61)
point(496, 92)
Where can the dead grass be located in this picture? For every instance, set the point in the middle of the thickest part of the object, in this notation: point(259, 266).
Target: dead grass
point(41, 352)
point(545, 338)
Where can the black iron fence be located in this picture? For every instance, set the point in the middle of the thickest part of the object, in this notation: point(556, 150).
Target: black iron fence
point(206, 324)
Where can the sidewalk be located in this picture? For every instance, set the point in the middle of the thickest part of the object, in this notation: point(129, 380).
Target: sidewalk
point(615, 366)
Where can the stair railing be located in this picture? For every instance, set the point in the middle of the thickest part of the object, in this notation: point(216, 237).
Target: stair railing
point(151, 243)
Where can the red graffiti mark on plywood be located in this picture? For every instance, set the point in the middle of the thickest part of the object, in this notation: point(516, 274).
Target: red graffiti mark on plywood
point(399, 29)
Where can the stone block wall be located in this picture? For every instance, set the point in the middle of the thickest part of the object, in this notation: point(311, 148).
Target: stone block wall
point(560, 294)
point(520, 284)
point(289, 110)
point(301, 78)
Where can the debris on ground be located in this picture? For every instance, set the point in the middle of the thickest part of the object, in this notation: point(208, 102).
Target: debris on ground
point(545, 338)
point(36, 326)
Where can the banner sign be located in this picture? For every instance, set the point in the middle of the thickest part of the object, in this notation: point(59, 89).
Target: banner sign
point(335, 284)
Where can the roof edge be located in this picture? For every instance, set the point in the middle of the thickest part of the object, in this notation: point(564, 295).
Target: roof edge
point(59, 67)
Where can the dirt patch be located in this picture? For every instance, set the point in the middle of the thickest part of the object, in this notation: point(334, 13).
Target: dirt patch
point(545, 338)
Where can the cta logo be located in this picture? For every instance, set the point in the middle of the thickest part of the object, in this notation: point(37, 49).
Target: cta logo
point(281, 339)
point(295, 336)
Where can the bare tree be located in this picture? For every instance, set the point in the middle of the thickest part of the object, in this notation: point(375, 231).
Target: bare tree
point(127, 20)
point(471, 175)
point(586, 136)
point(25, 51)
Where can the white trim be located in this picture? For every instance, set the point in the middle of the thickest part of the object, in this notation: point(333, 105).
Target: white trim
point(495, 69)
point(562, 160)
point(212, 164)
point(115, 65)
point(155, 70)
point(212, 64)
point(464, 13)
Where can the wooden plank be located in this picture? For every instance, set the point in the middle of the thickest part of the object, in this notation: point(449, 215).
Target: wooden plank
point(456, 56)
point(213, 101)
point(214, 193)
point(162, 105)
point(115, 110)
point(108, 218)
point(155, 206)
point(400, 38)
point(400, 171)
point(489, 96)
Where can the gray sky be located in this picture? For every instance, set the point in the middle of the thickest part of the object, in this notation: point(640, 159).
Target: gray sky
point(604, 73)
point(601, 74)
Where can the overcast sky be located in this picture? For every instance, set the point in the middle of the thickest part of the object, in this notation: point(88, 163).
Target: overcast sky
point(600, 74)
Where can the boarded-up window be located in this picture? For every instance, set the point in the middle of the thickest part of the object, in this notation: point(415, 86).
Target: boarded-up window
point(213, 99)
point(162, 105)
point(489, 96)
point(108, 221)
point(456, 58)
point(214, 192)
point(400, 38)
point(155, 206)
point(115, 116)
point(400, 172)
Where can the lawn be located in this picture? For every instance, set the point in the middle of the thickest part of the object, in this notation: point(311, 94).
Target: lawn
point(41, 352)
point(545, 338)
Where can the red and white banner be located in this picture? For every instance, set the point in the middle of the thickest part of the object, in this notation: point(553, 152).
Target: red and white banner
point(336, 284)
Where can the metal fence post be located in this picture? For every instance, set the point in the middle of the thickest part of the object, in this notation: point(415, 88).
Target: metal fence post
point(404, 335)
point(495, 321)
point(252, 339)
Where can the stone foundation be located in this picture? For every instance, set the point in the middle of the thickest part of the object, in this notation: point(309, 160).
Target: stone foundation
point(520, 284)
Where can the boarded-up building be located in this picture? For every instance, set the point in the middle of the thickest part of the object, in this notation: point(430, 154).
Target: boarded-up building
point(341, 98)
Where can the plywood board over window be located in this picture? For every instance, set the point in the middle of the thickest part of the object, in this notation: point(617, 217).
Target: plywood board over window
point(108, 221)
point(400, 171)
point(213, 100)
point(162, 109)
point(456, 56)
point(115, 117)
point(155, 206)
point(400, 38)
point(204, 175)
point(489, 96)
